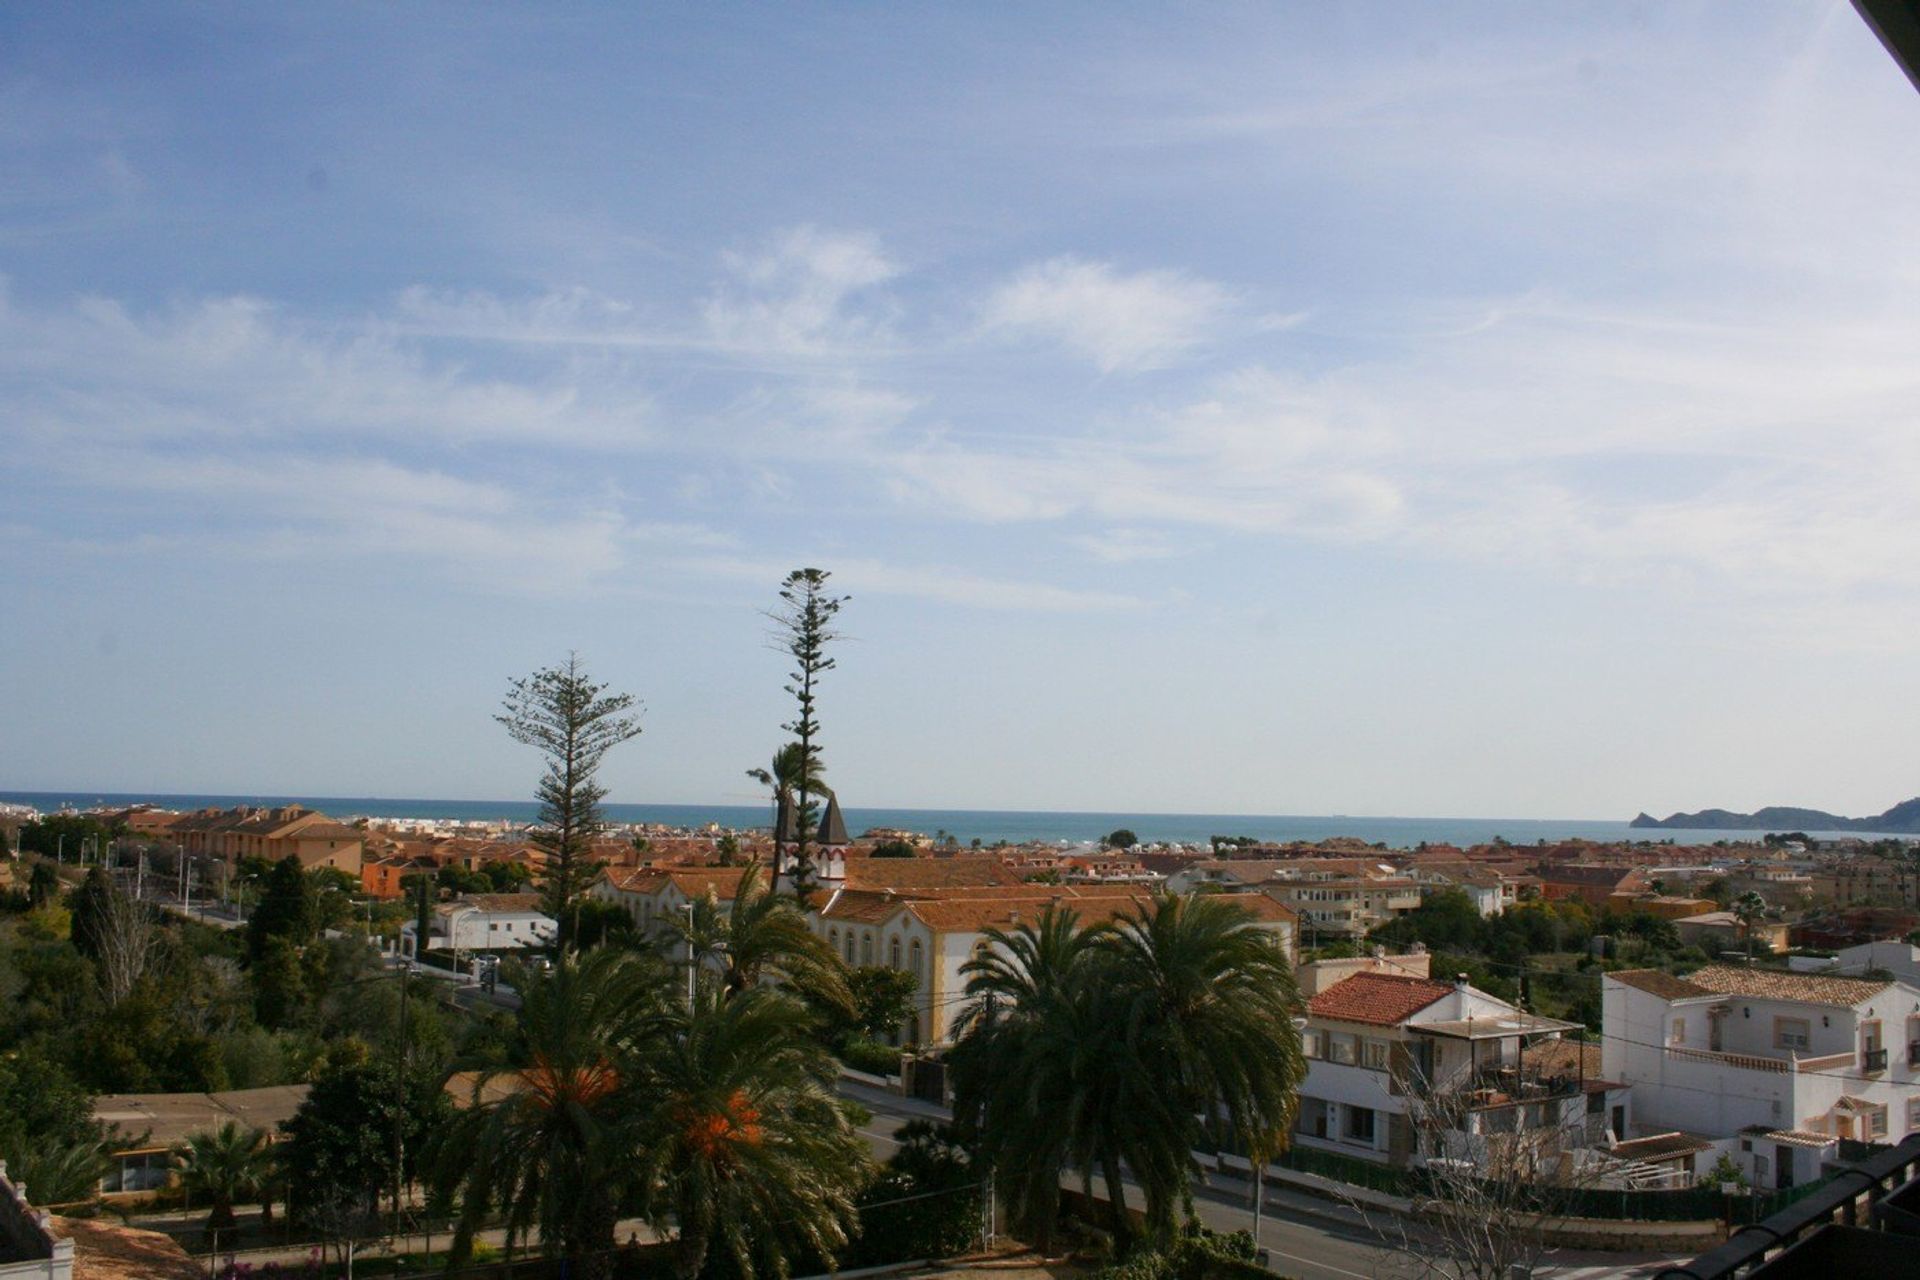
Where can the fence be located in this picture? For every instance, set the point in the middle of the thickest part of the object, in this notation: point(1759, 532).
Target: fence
point(1686, 1204)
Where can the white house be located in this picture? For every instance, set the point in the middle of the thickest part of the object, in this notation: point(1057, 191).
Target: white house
point(1391, 1054)
point(1790, 1062)
point(483, 922)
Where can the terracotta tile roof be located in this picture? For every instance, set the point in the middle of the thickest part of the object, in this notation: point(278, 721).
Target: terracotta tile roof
point(1656, 983)
point(862, 906)
point(963, 915)
point(1379, 999)
point(1806, 988)
point(923, 873)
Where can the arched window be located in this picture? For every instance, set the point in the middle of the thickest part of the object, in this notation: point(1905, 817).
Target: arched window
point(849, 946)
point(833, 939)
point(893, 954)
point(918, 959)
point(866, 948)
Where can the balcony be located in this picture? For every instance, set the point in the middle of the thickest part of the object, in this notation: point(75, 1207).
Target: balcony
point(1913, 1053)
point(1873, 1061)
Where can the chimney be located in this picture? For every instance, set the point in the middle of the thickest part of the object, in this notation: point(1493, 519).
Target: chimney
point(1460, 981)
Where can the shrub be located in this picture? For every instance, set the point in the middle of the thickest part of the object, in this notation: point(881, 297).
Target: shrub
point(871, 1056)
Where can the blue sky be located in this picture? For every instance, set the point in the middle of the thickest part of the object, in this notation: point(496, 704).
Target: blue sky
point(1451, 410)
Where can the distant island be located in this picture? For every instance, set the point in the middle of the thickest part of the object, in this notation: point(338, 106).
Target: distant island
point(1902, 819)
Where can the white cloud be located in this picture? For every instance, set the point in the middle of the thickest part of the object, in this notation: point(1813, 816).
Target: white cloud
point(1126, 546)
point(792, 296)
point(944, 584)
point(1121, 322)
point(237, 368)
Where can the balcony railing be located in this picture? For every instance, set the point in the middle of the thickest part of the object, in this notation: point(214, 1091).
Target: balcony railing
point(1913, 1053)
point(1748, 1061)
point(1873, 1060)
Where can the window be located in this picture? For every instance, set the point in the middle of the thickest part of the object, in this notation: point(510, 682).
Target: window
point(1356, 1124)
point(1791, 1033)
point(1311, 1045)
point(849, 946)
point(893, 954)
point(1913, 1113)
point(1341, 1049)
point(1679, 1031)
point(1877, 1122)
point(1376, 1054)
point(917, 956)
point(866, 948)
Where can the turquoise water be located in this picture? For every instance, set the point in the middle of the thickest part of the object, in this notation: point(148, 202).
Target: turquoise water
point(986, 825)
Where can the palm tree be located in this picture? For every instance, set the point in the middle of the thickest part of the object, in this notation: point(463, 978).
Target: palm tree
point(554, 1152)
point(1208, 1002)
point(762, 935)
point(783, 779)
point(1116, 1046)
point(1024, 1092)
point(225, 1166)
point(742, 1145)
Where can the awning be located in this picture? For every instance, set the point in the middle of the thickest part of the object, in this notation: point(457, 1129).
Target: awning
point(1503, 1026)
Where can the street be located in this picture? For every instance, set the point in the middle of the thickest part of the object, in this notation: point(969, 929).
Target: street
point(1304, 1236)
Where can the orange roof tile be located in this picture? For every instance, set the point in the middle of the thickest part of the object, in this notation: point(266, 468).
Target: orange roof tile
point(1379, 999)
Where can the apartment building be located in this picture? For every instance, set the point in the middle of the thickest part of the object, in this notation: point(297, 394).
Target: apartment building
point(290, 831)
point(1404, 1068)
point(1346, 908)
point(1730, 1050)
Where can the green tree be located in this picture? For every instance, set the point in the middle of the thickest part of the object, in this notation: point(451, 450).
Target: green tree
point(48, 1135)
point(1113, 1047)
point(574, 723)
point(882, 999)
point(222, 1168)
point(555, 1154)
point(782, 779)
point(1121, 839)
point(761, 935)
point(1210, 1000)
point(893, 849)
point(743, 1145)
point(286, 909)
point(1027, 986)
point(804, 628)
point(361, 1128)
point(43, 885)
point(89, 905)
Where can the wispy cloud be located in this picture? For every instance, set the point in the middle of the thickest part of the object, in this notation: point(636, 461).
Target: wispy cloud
point(944, 584)
point(791, 296)
point(1122, 322)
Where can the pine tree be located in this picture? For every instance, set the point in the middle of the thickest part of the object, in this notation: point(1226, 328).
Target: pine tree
point(805, 629)
point(574, 722)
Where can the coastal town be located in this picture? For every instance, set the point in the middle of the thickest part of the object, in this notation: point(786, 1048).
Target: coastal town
point(1647, 1017)
point(939, 642)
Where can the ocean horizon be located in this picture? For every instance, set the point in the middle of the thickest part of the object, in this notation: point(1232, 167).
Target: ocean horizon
point(985, 825)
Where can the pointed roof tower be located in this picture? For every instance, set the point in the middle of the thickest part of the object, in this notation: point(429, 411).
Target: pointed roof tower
point(833, 828)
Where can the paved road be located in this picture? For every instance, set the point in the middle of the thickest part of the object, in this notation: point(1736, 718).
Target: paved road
point(1303, 1236)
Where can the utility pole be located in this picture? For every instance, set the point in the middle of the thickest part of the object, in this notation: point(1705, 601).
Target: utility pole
point(691, 962)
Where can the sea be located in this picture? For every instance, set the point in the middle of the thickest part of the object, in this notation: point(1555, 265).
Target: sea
point(966, 825)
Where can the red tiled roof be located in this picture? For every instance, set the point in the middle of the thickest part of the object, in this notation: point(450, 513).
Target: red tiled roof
point(1380, 999)
point(1656, 983)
